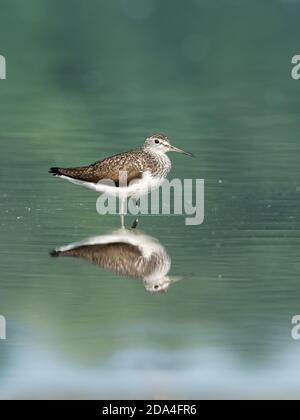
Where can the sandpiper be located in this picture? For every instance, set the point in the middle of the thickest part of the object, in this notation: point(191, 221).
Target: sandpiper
point(129, 174)
point(129, 253)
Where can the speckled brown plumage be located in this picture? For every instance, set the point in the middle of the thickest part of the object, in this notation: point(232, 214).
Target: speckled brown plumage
point(121, 258)
point(134, 163)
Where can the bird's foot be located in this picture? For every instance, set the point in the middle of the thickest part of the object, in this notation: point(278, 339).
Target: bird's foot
point(135, 223)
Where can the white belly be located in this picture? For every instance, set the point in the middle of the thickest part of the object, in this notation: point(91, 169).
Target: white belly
point(135, 189)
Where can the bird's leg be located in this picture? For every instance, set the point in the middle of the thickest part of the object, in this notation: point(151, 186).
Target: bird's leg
point(136, 220)
point(122, 214)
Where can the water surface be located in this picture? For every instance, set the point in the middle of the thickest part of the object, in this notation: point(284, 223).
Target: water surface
point(94, 81)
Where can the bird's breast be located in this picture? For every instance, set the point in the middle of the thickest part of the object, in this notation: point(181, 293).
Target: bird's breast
point(159, 165)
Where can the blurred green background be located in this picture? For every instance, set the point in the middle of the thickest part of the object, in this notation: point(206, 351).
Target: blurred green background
point(89, 79)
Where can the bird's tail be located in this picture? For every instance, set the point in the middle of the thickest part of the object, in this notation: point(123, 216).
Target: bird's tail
point(55, 171)
point(54, 253)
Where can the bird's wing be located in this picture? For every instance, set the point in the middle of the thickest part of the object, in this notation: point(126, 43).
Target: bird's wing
point(121, 258)
point(107, 169)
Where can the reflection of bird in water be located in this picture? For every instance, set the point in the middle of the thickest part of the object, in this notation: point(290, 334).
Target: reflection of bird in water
point(128, 253)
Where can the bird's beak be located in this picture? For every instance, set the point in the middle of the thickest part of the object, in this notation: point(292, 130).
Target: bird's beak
point(175, 279)
point(175, 149)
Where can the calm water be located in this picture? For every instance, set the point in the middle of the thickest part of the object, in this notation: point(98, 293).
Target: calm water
point(94, 81)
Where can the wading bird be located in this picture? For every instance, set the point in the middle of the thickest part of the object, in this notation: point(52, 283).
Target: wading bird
point(129, 174)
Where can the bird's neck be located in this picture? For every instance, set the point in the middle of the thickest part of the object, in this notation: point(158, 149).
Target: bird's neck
point(160, 162)
point(157, 154)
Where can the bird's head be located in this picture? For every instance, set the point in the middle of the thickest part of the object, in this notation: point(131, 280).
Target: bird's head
point(160, 284)
point(159, 143)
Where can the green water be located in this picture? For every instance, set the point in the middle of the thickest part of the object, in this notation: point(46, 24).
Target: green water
point(90, 79)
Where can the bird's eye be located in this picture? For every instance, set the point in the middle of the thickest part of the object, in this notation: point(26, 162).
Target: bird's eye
point(156, 287)
point(156, 141)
